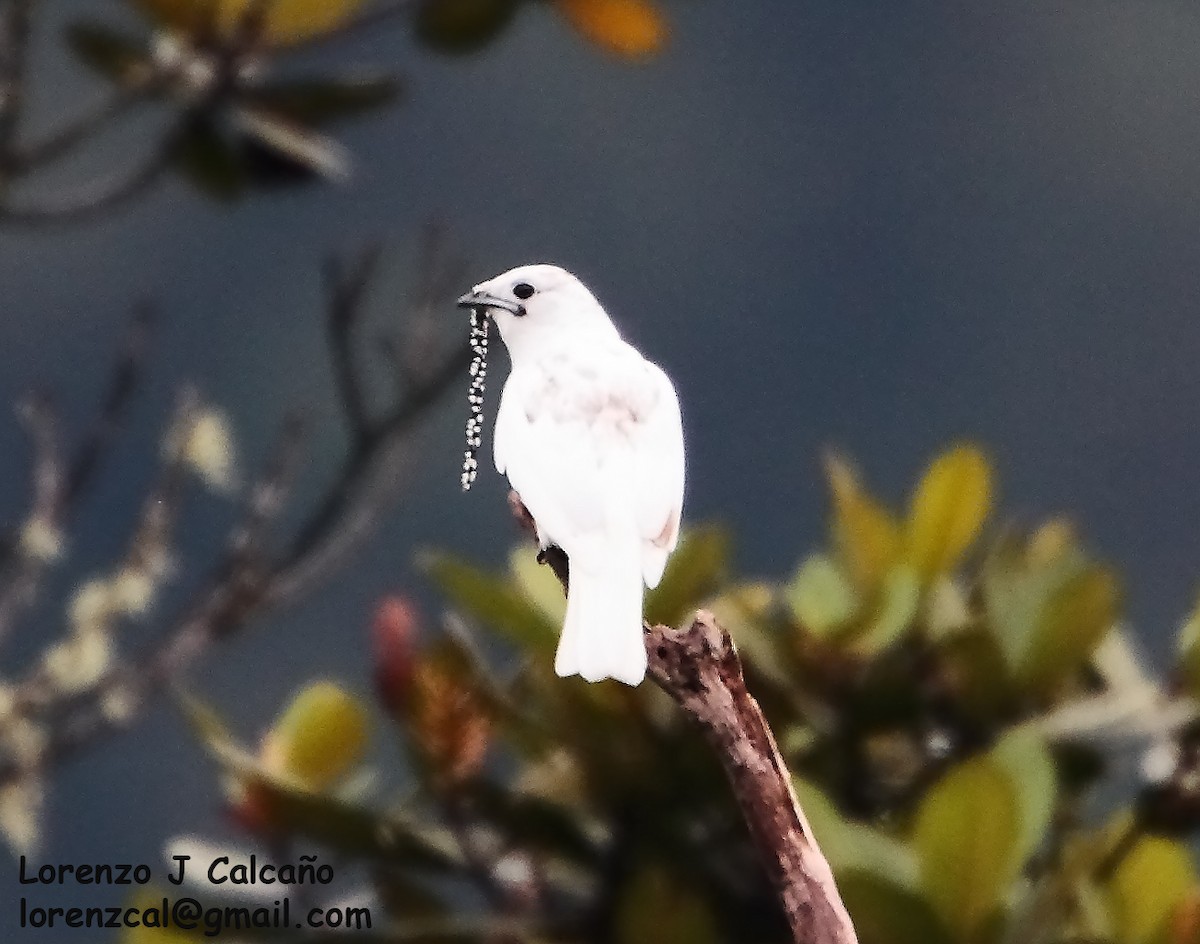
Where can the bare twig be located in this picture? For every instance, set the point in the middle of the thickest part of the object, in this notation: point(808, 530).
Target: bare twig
point(115, 702)
point(65, 139)
point(366, 487)
point(15, 22)
point(96, 197)
point(30, 551)
point(152, 534)
point(268, 498)
point(699, 668)
point(442, 274)
point(58, 484)
point(41, 422)
point(345, 286)
point(123, 383)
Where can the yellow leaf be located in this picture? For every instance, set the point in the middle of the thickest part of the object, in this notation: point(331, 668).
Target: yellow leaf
point(288, 21)
point(948, 509)
point(319, 738)
point(966, 837)
point(1154, 877)
point(865, 532)
point(630, 28)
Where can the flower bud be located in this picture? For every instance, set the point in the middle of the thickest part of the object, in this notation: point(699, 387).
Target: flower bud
point(393, 632)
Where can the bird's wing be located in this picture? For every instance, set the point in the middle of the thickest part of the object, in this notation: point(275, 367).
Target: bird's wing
point(503, 434)
point(658, 444)
point(552, 465)
point(597, 456)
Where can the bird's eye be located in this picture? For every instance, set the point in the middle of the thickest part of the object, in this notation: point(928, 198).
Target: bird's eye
point(523, 290)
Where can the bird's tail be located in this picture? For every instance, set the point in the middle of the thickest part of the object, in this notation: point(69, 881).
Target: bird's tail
point(602, 634)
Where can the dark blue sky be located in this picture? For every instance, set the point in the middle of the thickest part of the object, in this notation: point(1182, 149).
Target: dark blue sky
point(869, 225)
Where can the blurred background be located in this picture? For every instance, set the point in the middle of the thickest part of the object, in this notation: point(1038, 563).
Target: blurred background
point(868, 227)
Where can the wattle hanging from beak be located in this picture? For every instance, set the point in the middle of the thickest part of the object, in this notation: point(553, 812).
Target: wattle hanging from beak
point(485, 301)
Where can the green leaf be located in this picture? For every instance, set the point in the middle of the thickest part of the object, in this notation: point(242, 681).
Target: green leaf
point(654, 907)
point(209, 161)
point(282, 151)
point(461, 26)
point(693, 573)
point(538, 583)
point(113, 54)
point(355, 831)
point(531, 822)
point(319, 101)
point(884, 913)
point(900, 598)
point(1152, 878)
point(854, 847)
point(820, 596)
point(1017, 585)
point(1072, 624)
point(973, 657)
point(491, 600)
point(350, 829)
point(208, 726)
point(1025, 757)
point(966, 837)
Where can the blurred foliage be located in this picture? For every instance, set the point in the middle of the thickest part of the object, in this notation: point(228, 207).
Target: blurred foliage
point(283, 21)
point(948, 695)
point(239, 117)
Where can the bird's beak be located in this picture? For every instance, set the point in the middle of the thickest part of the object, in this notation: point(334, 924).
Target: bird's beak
point(484, 300)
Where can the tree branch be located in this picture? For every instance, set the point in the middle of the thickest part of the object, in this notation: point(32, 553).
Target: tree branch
point(123, 383)
point(58, 484)
point(249, 580)
point(699, 667)
point(30, 551)
point(98, 196)
point(63, 140)
point(15, 23)
point(345, 286)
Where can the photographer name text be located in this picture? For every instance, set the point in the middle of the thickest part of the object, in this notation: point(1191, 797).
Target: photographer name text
point(219, 872)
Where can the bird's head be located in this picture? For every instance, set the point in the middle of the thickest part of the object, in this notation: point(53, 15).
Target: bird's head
point(534, 305)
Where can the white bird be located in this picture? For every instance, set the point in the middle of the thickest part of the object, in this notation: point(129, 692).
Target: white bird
point(590, 436)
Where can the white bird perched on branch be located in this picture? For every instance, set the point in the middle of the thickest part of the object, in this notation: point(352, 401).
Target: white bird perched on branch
point(590, 436)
